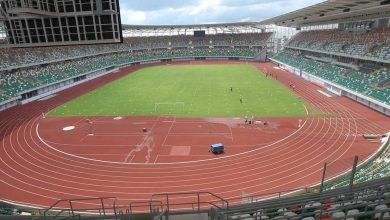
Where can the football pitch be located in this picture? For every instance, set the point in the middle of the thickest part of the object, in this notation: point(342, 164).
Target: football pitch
point(189, 90)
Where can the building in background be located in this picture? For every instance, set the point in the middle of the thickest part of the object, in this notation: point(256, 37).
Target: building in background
point(59, 22)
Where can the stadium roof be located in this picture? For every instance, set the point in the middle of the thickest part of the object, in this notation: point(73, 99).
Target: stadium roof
point(327, 12)
point(333, 11)
point(142, 30)
point(255, 25)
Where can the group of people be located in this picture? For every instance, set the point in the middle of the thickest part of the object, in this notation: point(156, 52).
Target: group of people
point(272, 75)
point(250, 120)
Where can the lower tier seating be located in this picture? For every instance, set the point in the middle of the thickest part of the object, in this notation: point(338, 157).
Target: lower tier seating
point(358, 81)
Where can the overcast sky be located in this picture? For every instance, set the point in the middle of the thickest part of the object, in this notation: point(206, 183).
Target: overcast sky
point(157, 12)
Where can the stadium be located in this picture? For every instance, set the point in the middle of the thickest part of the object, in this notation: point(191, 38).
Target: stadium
point(284, 118)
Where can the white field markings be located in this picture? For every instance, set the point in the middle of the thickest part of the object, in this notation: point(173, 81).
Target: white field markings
point(168, 134)
point(366, 125)
point(148, 142)
point(369, 125)
point(51, 183)
point(187, 162)
point(194, 155)
point(231, 132)
point(201, 134)
point(6, 128)
point(336, 106)
point(349, 128)
point(253, 174)
point(101, 154)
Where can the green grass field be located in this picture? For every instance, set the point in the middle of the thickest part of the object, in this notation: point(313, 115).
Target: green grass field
point(190, 90)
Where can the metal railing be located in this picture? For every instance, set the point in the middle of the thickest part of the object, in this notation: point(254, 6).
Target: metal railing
point(362, 196)
point(181, 202)
point(93, 205)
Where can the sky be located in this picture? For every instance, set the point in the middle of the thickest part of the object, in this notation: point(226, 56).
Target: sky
point(158, 12)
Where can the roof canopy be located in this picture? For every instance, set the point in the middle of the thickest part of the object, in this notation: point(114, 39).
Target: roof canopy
point(327, 12)
point(333, 11)
point(227, 27)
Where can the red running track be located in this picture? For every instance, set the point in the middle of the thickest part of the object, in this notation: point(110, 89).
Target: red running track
point(37, 174)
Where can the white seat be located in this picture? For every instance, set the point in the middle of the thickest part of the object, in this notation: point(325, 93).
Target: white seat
point(290, 214)
point(380, 207)
point(338, 214)
point(386, 215)
point(352, 212)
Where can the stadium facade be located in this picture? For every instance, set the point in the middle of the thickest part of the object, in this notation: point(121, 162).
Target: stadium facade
point(43, 23)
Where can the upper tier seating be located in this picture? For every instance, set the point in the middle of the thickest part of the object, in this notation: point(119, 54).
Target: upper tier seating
point(15, 57)
point(375, 43)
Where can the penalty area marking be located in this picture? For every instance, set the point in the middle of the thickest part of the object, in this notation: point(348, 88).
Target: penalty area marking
point(69, 128)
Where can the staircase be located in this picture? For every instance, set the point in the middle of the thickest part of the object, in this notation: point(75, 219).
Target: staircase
point(261, 56)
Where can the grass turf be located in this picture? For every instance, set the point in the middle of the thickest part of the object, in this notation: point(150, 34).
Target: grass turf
point(188, 90)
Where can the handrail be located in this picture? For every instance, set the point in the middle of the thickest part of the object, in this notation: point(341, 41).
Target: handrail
point(160, 215)
point(148, 204)
point(278, 194)
point(71, 209)
point(197, 195)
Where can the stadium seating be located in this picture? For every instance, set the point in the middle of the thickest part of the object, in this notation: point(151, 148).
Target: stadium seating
point(373, 43)
point(357, 81)
point(368, 200)
point(21, 71)
point(22, 80)
point(378, 168)
point(15, 57)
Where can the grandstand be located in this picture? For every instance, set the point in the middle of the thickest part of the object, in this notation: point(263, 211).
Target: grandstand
point(332, 163)
point(348, 56)
point(29, 70)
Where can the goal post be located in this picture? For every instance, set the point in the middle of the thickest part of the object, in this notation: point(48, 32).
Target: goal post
point(169, 107)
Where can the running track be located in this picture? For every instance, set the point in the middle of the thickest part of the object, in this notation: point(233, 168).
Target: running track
point(36, 175)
